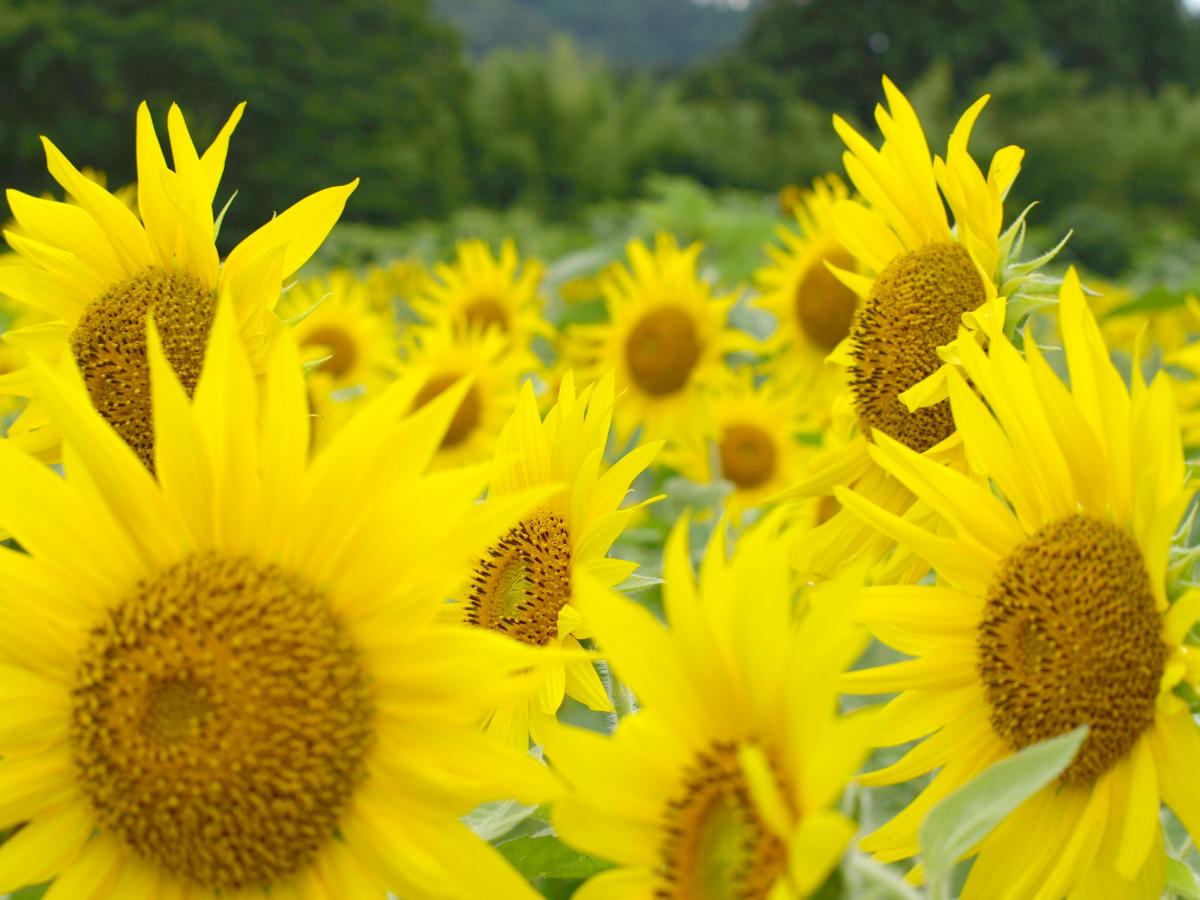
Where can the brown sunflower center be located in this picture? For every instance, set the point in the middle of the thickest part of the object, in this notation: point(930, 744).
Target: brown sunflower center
point(466, 418)
point(747, 455)
point(914, 307)
point(661, 350)
point(824, 306)
point(1070, 636)
point(523, 583)
point(221, 715)
point(343, 352)
point(717, 846)
point(486, 312)
point(109, 344)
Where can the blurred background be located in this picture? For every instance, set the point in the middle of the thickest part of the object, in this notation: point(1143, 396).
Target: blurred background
point(560, 121)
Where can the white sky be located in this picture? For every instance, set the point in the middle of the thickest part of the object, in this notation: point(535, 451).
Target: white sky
point(1193, 5)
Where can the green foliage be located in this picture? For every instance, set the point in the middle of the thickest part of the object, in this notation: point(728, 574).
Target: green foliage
point(628, 32)
point(965, 817)
point(362, 88)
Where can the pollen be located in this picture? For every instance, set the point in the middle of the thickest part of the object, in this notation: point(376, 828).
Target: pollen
point(342, 350)
point(483, 313)
point(466, 418)
point(914, 307)
point(717, 846)
point(109, 344)
point(661, 351)
point(824, 306)
point(221, 715)
point(747, 456)
point(1070, 636)
point(523, 583)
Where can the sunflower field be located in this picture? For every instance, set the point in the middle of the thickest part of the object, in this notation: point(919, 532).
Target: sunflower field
point(635, 520)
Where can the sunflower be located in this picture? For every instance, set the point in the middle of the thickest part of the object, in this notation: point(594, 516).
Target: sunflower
point(723, 784)
point(814, 308)
point(665, 339)
point(749, 439)
point(97, 269)
point(446, 354)
point(231, 679)
point(920, 280)
point(483, 291)
point(338, 324)
point(524, 584)
point(1054, 607)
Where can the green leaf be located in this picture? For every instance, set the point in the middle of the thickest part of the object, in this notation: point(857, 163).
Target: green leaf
point(494, 820)
point(29, 893)
point(965, 817)
point(548, 857)
point(1181, 881)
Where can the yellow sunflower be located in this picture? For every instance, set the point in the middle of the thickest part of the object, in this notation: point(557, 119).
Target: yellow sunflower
point(749, 439)
point(524, 585)
point(666, 339)
point(230, 679)
point(338, 324)
point(483, 291)
point(97, 269)
point(814, 308)
point(446, 354)
point(724, 783)
point(920, 281)
point(1054, 608)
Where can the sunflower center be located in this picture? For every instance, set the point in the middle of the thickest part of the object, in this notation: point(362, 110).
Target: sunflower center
point(717, 846)
point(747, 456)
point(221, 715)
point(343, 352)
point(109, 344)
point(486, 312)
point(824, 306)
point(466, 417)
point(1070, 636)
point(523, 583)
point(914, 307)
point(661, 350)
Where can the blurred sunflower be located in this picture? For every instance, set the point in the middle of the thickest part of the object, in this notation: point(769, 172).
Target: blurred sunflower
point(482, 291)
point(723, 784)
point(98, 270)
point(1055, 607)
point(524, 585)
point(338, 324)
point(392, 286)
point(229, 680)
point(814, 308)
point(1183, 365)
point(749, 439)
point(666, 339)
point(446, 354)
point(920, 281)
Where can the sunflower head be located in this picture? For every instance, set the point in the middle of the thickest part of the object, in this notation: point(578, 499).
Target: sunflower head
point(229, 649)
point(99, 269)
point(749, 440)
point(482, 291)
point(1056, 605)
point(814, 308)
point(665, 338)
point(492, 370)
point(722, 783)
point(524, 586)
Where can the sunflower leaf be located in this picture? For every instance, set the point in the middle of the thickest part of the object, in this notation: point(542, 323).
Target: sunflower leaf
point(965, 817)
point(546, 856)
point(1181, 881)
